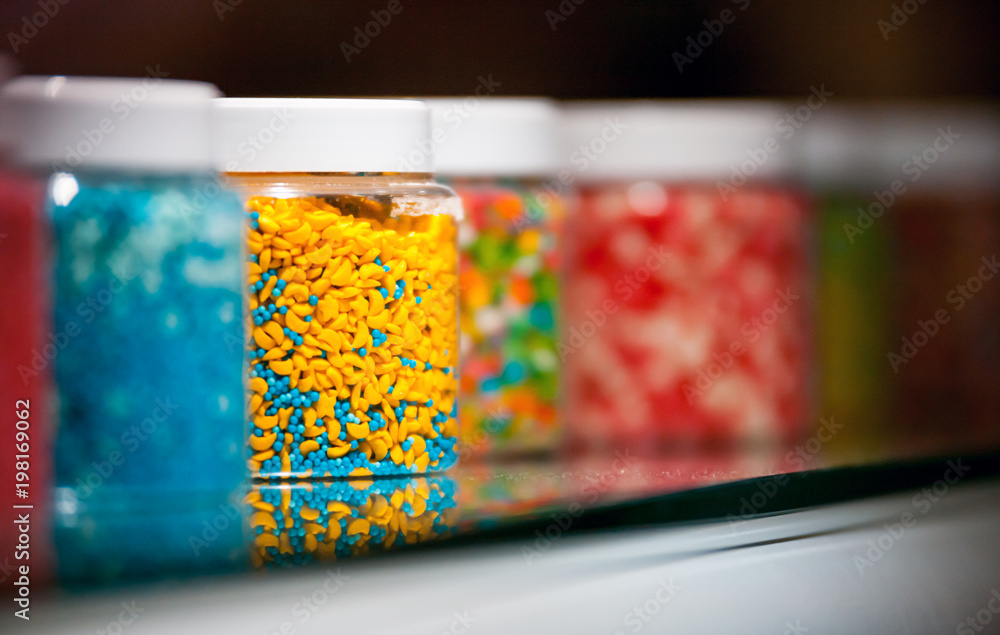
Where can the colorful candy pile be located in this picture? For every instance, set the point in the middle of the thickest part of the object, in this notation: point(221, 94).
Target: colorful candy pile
point(147, 329)
point(509, 307)
point(353, 348)
point(293, 525)
point(687, 316)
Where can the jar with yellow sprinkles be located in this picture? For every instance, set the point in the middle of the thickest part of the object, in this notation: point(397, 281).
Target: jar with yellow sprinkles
point(352, 288)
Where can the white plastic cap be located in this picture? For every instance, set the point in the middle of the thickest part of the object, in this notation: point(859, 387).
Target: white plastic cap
point(926, 147)
point(495, 136)
point(677, 140)
point(141, 124)
point(317, 135)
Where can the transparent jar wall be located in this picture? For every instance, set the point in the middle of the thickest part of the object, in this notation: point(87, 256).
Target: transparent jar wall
point(510, 245)
point(354, 325)
point(688, 316)
point(147, 314)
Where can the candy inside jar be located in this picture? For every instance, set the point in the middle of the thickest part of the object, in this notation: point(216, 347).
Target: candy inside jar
point(688, 302)
point(353, 293)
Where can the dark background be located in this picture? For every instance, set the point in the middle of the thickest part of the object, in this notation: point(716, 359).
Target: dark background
point(603, 49)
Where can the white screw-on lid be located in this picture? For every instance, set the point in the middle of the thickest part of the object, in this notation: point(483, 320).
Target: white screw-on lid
point(865, 146)
point(493, 136)
point(138, 124)
point(317, 134)
point(677, 140)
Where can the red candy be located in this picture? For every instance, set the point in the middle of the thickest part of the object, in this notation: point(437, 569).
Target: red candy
point(687, 316)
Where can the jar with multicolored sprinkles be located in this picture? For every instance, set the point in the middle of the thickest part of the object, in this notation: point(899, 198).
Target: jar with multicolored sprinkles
point(502, 156)
point(352, 288)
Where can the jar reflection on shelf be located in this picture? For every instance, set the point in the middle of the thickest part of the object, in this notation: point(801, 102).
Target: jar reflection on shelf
point(152, 538)
point(294, 524)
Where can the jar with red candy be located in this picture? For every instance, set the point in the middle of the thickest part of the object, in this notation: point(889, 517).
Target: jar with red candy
point(689, 292)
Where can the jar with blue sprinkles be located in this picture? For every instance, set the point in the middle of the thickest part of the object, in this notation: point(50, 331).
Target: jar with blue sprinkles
point(352, 284)
point(147, 271)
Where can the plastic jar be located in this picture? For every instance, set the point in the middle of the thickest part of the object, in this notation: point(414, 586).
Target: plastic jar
point(146, 276)
point(352, 287)
point(502, 157)
point(910, 208)
point(688, 296)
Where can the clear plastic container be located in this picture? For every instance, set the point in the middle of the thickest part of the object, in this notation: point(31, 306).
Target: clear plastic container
point(352, 289)
point(146, 273)
point(689, 292)
point(502, 159)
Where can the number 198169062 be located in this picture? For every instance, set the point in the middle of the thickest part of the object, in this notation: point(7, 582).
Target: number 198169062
point(22, 447)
